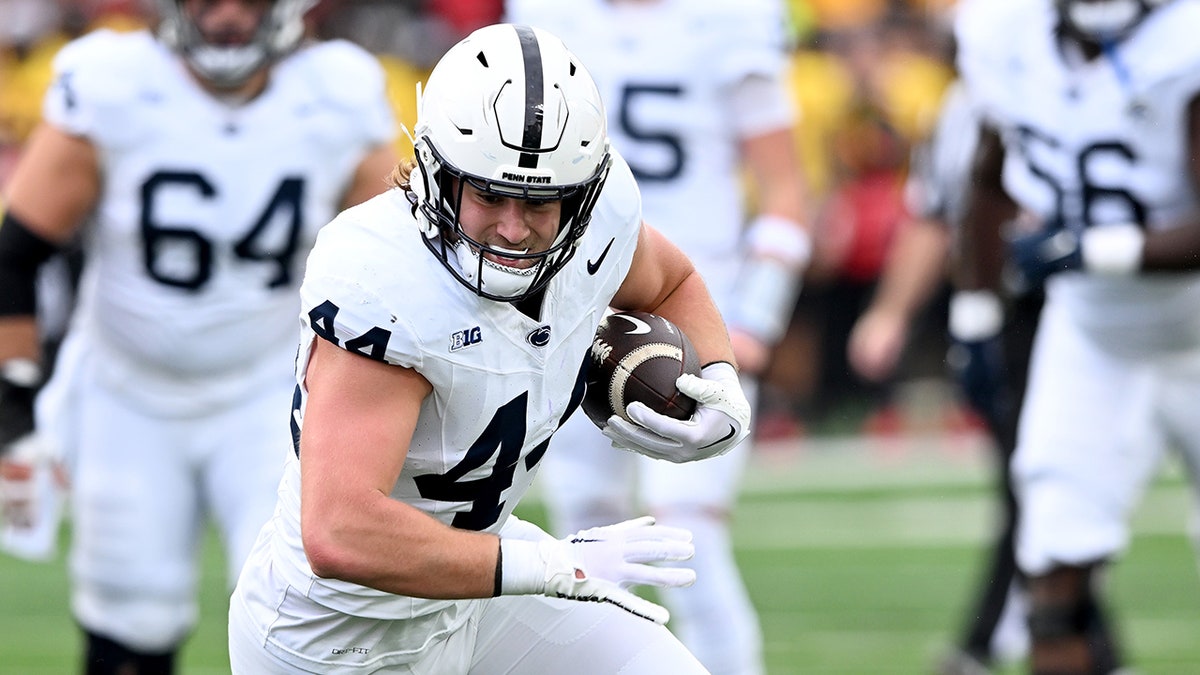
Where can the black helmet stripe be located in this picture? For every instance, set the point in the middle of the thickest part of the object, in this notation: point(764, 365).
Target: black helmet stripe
point(535, 101)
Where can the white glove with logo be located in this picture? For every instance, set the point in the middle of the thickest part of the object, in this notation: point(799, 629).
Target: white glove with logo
point(599, 564)
point(721, 420)
point(30, 479)
point(31, 499)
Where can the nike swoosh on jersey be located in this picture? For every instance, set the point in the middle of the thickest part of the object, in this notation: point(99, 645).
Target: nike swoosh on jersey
point(594, 267)
point(722, 439)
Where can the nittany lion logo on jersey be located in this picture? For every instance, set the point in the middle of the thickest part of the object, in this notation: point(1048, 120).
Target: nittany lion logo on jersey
point(539, 337)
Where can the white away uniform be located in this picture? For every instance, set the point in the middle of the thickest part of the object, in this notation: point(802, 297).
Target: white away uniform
point(668, 72)
point(1115, 369)
point(176, 374)
point(374, 288)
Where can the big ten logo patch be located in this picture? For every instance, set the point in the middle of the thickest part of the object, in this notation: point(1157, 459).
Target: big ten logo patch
point(465, 338)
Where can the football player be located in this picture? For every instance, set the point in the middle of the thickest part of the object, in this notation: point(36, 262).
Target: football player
point(203, 158)
point(990, 369)
point(1093, 125)
point(447, 323)
point(699, 109)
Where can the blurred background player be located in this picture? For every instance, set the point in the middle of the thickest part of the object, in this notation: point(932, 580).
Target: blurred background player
point(991, 373)
point(202, 159)
point(696, 95)
point(1092, 136)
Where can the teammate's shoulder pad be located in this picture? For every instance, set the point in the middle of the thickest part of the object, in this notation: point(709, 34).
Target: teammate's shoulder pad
point(984, 25)
point(104, 46)
point(100, 62)
point(749, 35)
point(1165, 47)
point(996, 41)
point(341, 72)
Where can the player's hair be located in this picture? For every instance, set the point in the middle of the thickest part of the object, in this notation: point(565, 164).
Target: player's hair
point(401, 176)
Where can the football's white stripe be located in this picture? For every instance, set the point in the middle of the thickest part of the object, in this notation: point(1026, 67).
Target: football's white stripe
point(639, 327)
point(635, 358)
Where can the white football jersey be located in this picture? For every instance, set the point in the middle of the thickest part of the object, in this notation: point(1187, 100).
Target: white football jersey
point(502, 382)
point(1090, 143)
point(672, 120)
point(196, 251)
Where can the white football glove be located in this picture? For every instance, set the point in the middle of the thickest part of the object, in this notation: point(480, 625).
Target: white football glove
point(31, 499)
point(721, 420)
point(599, 564)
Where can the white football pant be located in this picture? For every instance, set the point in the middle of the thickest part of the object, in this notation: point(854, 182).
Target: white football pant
point(142, 487)
point(1093, 432)
point(509, 634)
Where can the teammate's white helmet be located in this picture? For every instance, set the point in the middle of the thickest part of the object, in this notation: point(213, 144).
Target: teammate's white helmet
point(228, 67)
point(1104, 21)
point(512, 112)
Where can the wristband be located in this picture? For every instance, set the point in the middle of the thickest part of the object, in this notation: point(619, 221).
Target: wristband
point(1113, 249)
point(20, 380)
point(975, 315)
point(498, 580)
point(522, 570)
point(778, 237)
point(764, 298)
point(21, 372)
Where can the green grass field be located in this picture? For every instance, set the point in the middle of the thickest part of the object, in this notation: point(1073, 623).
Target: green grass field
point(860, 560)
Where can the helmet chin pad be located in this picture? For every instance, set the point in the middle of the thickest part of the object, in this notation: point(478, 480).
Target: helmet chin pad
point(1104, 21)
point(492, 277)
point(279, 32)
point(227, 67)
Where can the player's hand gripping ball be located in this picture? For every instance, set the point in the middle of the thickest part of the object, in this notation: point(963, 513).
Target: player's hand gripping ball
point(637, 356)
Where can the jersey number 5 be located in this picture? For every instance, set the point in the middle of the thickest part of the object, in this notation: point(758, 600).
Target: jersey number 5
point(157, 237)
point(669, 143)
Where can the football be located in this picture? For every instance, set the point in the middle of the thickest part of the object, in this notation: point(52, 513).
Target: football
point(637, 356)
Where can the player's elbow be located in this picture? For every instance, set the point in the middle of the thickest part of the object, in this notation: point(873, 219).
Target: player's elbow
point(327, 558)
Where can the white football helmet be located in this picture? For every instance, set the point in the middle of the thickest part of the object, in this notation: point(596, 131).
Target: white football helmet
point(512, 112)
point(1104, 21)
point(227, 67)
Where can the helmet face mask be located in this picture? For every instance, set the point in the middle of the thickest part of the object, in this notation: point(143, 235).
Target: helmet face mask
point(510, 112)
point(1104, 21)
point(229, 66)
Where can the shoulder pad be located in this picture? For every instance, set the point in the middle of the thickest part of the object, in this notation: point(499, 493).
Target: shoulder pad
point(991, 36)
point(92, 74)
point(347, 80)
point(342, 294)
point(1150, 61)
point(620, 199)
point(340, 72)
point(749, 35)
